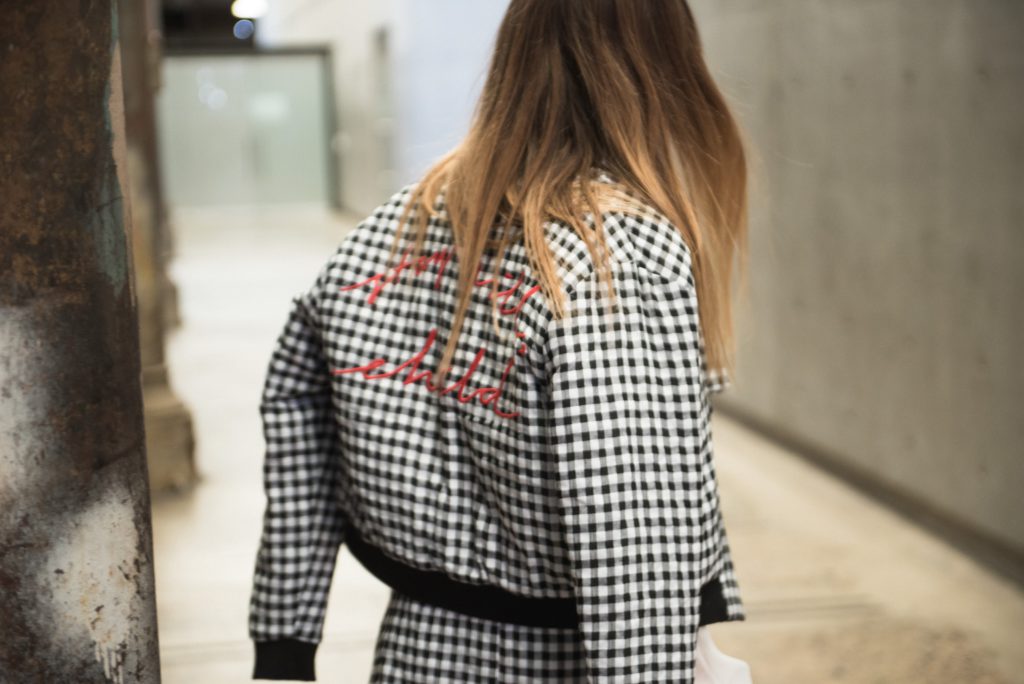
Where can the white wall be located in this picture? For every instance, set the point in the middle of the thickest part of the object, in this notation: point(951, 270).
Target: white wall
point(399, 107)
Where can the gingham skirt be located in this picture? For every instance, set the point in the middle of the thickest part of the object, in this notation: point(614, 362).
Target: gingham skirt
point(419, 643)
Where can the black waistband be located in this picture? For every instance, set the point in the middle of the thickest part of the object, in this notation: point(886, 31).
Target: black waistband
point(488, 601)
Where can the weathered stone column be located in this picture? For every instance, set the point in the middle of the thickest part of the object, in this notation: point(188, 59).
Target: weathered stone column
point(76, 572)
point(169, 440)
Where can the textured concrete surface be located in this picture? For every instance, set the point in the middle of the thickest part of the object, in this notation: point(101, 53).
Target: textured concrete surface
point(76, 573)
point(838, 589)
point(884, 320)
point(168, 424)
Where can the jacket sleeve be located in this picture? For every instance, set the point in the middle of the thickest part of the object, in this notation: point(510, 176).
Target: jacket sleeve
point(302, 521)
point(628, 433)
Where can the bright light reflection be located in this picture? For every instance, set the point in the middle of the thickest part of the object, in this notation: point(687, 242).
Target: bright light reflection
point(249, 9)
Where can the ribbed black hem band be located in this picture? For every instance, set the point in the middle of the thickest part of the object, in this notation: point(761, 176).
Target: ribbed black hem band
point(712, 603)
point(285, 659)
point(491, 602)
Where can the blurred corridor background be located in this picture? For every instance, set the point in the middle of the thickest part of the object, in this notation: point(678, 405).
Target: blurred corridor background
point(871, 449)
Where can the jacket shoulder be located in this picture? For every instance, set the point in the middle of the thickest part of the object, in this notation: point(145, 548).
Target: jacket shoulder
point(645, 240)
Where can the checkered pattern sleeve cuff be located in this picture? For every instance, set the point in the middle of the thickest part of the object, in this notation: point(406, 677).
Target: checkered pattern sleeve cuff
point(303, 524)
point(630, 442)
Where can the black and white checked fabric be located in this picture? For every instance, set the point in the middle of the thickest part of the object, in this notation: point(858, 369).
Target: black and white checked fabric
point(560, 458)
point(420, 642)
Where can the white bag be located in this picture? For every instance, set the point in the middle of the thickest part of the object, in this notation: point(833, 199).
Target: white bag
point(715, 667)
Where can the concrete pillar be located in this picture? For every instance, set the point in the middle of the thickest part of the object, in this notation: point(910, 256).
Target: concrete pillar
point(76, 572)
point(169, 440)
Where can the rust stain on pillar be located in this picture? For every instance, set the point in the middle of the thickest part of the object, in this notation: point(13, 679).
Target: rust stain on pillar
point(76, 573)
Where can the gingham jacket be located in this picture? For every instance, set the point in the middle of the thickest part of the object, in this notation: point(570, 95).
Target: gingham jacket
point(561, 457)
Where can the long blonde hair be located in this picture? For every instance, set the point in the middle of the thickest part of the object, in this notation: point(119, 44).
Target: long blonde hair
point(578, 85)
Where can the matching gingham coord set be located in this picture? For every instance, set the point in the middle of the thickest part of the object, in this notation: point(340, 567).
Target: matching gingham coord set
point(565, 460)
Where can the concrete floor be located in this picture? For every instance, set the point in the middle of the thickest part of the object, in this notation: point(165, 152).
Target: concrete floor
point(837, 588)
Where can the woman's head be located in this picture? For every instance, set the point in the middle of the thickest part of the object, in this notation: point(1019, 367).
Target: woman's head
point(580, 85)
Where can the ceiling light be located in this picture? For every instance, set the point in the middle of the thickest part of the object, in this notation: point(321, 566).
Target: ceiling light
point(249, 9)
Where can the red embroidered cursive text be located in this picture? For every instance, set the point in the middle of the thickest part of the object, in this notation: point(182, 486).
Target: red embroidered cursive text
point(487, 396)
point(510, 302)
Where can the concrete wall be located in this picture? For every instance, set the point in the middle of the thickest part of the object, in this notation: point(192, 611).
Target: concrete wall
point(406, 73)
point(885, 319)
